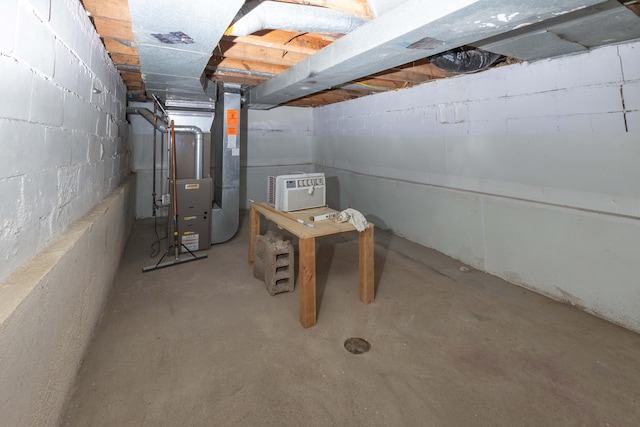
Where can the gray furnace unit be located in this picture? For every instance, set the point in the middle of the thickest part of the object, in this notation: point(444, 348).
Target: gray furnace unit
point(207, 170)
point(206, 166)
point(194, 216)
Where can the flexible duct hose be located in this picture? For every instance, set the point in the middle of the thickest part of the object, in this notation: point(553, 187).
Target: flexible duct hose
point(464, 60)
point(257, 15)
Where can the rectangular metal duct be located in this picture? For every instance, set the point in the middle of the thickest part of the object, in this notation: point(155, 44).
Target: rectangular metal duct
point(226, 174)
point(383, 43)
point(175, 40)
point(573, 32)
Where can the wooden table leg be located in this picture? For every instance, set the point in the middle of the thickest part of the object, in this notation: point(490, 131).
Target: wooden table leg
point(307, 254)
point(254, 230)
point(367, 287)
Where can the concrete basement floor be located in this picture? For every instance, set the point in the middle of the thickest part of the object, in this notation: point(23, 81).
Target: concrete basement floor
point(204, 344)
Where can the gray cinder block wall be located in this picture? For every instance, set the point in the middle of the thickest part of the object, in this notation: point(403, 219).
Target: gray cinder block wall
point(528, 172)
point(66, 203)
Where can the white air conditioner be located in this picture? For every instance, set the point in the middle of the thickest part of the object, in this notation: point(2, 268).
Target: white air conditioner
point(297, 191)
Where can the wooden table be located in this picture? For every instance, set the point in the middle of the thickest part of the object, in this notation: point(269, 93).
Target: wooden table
point(307, 251)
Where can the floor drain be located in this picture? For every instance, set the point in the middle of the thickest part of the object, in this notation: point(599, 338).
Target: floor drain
point(357, 345)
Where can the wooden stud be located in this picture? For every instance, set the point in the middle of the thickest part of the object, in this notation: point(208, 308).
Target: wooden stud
point(307, 255)
point(367, 285)
point(254, 230)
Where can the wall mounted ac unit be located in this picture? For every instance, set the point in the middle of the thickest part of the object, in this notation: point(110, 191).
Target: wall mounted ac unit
point(297, 191)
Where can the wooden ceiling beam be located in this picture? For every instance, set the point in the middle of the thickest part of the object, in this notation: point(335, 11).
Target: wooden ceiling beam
point(257, 53)
point(134, 86)
point(113, 46)
point(112, 28)
point(112, 9)
point(130, 77)
point(121, 59)
point(635, 8)
point(245, 66)
point(323, 98)
point(377, 84)
point(415, 74)
point(296, 42)
point(237, 79)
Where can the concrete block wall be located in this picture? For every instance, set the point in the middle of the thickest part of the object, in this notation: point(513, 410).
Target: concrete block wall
point(62, 121)
point(65, 200)
point(50, 306)
point(528, 172)
point(278, 142)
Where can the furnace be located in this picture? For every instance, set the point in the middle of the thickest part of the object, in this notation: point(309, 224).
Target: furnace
point(201, 190)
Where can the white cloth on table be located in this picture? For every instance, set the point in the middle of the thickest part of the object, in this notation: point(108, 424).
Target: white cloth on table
point(354, 217)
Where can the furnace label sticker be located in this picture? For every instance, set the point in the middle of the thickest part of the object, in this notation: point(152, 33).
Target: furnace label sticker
point(232, 141)
point(191, 186)
point(191, 241)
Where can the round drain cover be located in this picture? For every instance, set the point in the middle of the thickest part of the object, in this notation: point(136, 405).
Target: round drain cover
point(357, 345)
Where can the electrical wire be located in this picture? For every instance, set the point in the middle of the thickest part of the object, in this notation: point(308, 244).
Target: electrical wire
point(157, 244)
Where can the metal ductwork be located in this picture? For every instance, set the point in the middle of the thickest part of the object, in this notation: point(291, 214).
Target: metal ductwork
point(415, 29)
point(576, 32)
point(376, 46)
point(194, 130)
point(259, 15)
point(175, 40)
point(226, 176)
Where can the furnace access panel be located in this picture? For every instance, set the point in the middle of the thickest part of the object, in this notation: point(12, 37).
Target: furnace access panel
point(194, 206)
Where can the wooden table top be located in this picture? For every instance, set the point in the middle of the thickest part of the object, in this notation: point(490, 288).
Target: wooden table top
point(320, 228)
